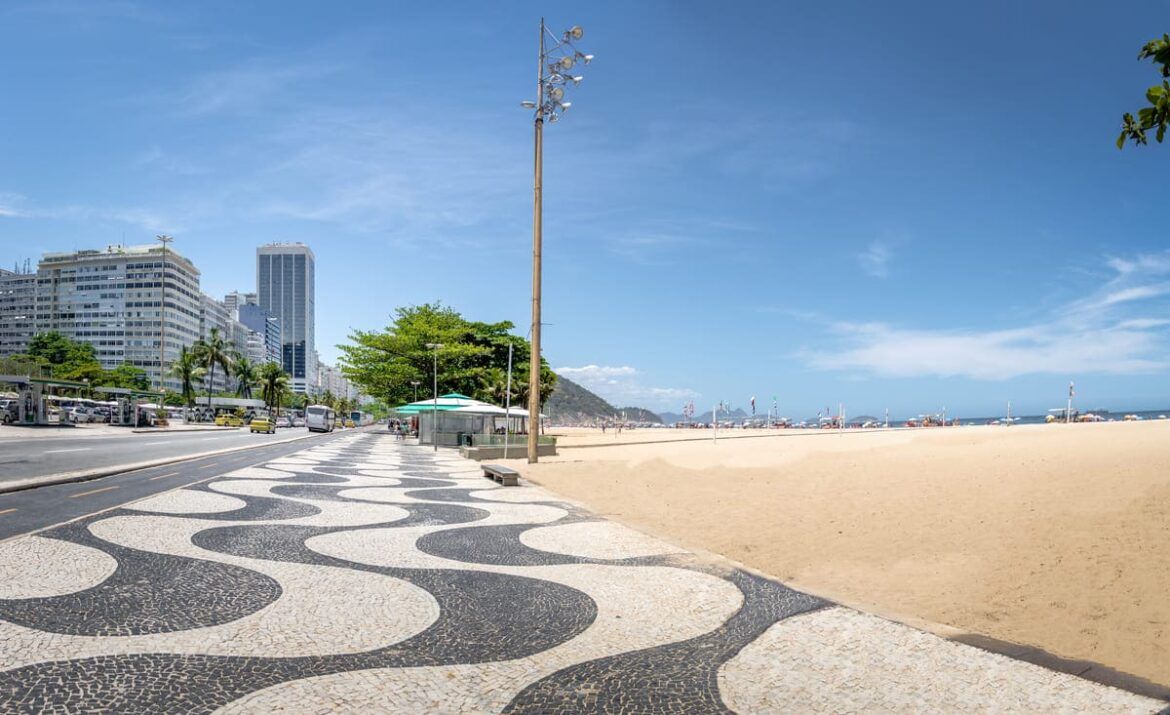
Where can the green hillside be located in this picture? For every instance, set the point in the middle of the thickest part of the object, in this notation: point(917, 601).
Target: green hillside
point(570, 403)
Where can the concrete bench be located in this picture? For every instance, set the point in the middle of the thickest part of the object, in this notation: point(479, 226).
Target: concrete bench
point(503, 475)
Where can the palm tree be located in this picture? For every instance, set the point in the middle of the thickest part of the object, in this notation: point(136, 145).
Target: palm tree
point(273, 385)
point(246, 376)
point(187, 371)
point(214, 351)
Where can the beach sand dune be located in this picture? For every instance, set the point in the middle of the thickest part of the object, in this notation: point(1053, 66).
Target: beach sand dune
point(1054, 536)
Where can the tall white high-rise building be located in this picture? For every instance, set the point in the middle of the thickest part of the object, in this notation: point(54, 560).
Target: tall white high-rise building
point(111, 299)
point(285, 282)
point(18, 306)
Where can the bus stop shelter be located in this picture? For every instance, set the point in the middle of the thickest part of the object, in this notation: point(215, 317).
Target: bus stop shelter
point(33, 405)
point(129, 410)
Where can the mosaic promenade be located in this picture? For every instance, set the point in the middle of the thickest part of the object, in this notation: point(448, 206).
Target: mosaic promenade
point(363, 575)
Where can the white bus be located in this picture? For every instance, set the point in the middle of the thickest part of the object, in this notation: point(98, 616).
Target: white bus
point(319, 418)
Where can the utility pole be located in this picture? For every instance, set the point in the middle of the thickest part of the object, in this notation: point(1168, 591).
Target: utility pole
point(553, 65)
point(162, 307)
point(537, 216)
point(508, 404)
point(435, 408)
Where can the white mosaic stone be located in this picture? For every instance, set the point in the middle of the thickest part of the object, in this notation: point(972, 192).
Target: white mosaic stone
point(36, 567)
point(184, 501)
point(840, 660)
point(595, 539)
point(316, 613)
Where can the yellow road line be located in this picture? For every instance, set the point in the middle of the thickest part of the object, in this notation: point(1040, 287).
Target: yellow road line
point(7, 511)
point(162, 476)
point(92, 491)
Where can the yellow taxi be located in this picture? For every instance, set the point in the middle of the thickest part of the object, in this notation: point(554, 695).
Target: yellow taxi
point(228, 420)
point(263, 424)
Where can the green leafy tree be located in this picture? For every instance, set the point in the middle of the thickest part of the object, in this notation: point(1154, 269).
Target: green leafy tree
point(63, 358)
point(129, 377)
point(472, 360)
point(1155, 117)
point(246, 374)
point(274, 386)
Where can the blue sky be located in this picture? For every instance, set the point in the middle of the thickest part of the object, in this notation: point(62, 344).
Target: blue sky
point(910, 205)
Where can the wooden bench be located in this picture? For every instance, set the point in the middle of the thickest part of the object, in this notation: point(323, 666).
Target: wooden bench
point(503, 475)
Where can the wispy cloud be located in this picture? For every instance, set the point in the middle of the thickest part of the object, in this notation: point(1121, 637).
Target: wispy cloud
point(10, 206)
point(245, 88)
point(875, 259)
point(1090, 335)
point(622, 386)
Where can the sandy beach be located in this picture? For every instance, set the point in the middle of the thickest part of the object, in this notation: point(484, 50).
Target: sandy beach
point(1054, 536)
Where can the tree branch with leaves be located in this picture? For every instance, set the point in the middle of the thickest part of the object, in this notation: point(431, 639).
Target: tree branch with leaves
point(1155, 117)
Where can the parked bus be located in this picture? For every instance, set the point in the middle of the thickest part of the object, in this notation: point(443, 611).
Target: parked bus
point(319, 418)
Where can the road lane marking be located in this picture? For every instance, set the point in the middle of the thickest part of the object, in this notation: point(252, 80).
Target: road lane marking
point(92, 491)
point(162, 476)
point(75, 449)
point(7, 511)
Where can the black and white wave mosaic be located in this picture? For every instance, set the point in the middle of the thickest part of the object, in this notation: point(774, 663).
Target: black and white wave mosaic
point(366, 575)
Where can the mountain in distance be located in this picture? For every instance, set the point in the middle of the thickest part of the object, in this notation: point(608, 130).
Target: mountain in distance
point(571, 403)
point(638, 414)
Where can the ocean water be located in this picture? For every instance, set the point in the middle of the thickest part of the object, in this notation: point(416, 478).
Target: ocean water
point(1116, 415)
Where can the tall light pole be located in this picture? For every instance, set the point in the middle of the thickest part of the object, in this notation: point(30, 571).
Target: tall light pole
point(162, 307)
point(435, 411)
point(553, 73)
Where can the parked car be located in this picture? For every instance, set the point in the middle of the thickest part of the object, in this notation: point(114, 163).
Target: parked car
point(283, 421)
point(262, 424)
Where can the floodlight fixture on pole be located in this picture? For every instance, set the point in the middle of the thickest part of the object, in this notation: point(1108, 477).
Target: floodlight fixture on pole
point(162, 307)
point(435, 411)
point(554, 60)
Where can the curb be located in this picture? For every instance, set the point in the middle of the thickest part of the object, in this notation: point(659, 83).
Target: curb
point(168, 430)
point(85, 476)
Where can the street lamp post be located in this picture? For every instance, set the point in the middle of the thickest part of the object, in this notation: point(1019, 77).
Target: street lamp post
point(554, 66)
point(435, 410)
point(162, 307)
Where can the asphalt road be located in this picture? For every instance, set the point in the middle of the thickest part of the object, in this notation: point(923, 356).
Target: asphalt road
point(40, 455)
point(35, 509)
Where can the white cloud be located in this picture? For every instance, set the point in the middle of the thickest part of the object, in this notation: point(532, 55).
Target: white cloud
point(9, 204)
point(1089, 335)
point(622, 386)
point(992, 355)
point(875, 259)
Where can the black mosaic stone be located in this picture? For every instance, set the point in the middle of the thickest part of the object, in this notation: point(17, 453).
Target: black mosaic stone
point(256, 508)
point(482, 616)
point(674, 678)
point(147, 593)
